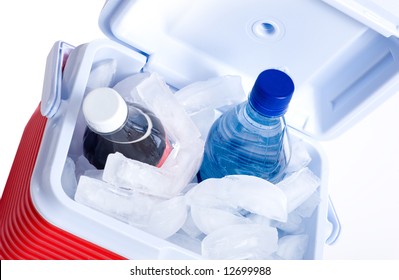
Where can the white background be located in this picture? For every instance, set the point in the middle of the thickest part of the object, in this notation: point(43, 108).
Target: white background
point(363, 162)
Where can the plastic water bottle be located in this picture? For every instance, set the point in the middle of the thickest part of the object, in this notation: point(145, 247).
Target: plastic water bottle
point(117, 126)
point(252, 138)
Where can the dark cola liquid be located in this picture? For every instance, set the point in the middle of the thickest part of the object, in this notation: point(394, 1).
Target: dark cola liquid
point(142, 138)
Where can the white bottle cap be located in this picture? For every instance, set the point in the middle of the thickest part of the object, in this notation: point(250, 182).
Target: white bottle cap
point(104, 110)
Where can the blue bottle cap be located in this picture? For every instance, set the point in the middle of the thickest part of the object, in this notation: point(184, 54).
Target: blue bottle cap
point(272, 93)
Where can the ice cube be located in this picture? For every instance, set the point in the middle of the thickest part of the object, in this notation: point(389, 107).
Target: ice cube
point(300, 157)
point(204, 120)
point(68, 179)
point(307, 208)
point(211, 94)
point(160, 217)
point(183, 164)
point(191, 185)
point(258, 219)
point(167, 181)
point(293, 247)
point(244, 241)
point(132, 174)
point(250, 193)
point(185, 241)
point(158, 97)
point(102, 74)
point(211, 219)
point(202, 100)
point(189, 227)
point(82, 165)
point(298, 187)
point(94, 173)
point(293, 225)
point(127, 87)
point(123, 205)
point(167, 217)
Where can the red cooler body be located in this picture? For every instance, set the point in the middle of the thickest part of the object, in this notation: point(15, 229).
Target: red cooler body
point(24, 233)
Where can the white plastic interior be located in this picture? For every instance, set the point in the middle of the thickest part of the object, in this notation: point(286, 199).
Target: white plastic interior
point(341, 68)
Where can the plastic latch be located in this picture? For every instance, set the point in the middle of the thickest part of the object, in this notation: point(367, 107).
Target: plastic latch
point(336, 225)
point(51, 94)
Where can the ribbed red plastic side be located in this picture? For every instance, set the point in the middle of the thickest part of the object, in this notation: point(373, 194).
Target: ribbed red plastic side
point(24, 233)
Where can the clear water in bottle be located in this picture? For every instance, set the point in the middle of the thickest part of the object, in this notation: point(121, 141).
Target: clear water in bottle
point(252, 138)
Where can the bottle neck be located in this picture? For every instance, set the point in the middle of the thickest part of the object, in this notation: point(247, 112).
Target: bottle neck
point(257, 119)
point(137, 127)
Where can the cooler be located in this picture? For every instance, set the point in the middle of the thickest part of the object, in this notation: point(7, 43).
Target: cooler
point(342, 56)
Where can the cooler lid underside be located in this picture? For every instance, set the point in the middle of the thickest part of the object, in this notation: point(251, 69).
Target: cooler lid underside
point(381, 15)
point(341, 68)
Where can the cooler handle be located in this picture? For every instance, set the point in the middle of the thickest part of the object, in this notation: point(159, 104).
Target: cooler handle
point(332, 217)
point(51, 94)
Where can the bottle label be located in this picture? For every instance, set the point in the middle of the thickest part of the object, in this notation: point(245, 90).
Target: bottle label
point(166, 152)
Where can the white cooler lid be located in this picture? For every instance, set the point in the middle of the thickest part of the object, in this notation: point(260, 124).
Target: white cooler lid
point(381, 15)
point(342, 69)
